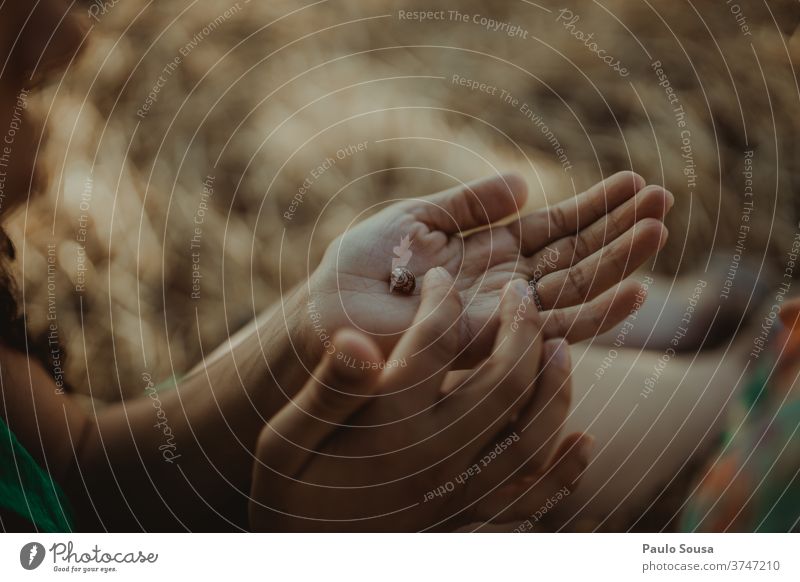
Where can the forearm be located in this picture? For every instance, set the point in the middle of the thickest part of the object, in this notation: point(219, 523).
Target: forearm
point(183, 458)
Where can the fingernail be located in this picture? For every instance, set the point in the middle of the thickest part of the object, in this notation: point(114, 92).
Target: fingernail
point(664, 237)
point(519, 287)
point(586, 448)
point(437, 275)
point(560, 355)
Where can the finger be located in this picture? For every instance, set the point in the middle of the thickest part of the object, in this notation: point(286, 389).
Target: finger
point(566, 218)
point(337, 389)
point(487, 401)
point(540, 423)
point(535, 497)
point(650, 202)
point(473, 205)
point(541, 500)
point(536, 431)
point(429, 348)
point(570, 460)
point(604, 268)
point(595, 317)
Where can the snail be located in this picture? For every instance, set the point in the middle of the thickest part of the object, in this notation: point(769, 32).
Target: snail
point(402, 281)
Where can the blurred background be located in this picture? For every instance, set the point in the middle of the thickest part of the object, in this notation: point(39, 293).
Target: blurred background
point(187, 140)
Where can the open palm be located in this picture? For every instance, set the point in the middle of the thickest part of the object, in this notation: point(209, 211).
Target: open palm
point(576, 251)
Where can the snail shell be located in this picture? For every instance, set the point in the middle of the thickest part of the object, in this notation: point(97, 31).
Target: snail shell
point(402, 281)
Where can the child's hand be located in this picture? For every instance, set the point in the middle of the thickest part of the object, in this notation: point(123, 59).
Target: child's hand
point(578, 250)
point(391, 450)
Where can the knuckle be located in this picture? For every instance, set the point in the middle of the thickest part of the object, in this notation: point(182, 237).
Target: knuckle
point(566, 247)
point(581, 244)
point(619, 260)
point(578, 281)
point(558, 218)
point(476, 212)
point(558, 323)
point(615, 224)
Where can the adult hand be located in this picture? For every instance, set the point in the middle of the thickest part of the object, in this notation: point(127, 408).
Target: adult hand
point(578, 251)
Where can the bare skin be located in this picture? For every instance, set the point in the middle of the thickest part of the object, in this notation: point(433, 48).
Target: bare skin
point(599, 238)
point(327, 461)
point(110, 461)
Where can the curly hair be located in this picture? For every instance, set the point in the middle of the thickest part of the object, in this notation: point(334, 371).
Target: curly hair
point(14, 332)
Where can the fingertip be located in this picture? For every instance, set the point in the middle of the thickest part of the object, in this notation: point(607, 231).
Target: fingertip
point(638, 181)
point(655, 199)
point(436, 277)
point(636, 290)
point(631, 287)
point(615, 190)
point(664, 236)
point(611, 308)
point(630, 295)
point(651, 232)
point(356, 344)
point(437, 285)
point(585, 448)
point(628, 177)
point(669, 200)
point(515, 290)
point(517, 186)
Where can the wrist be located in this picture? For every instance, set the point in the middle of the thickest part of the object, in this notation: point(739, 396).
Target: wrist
point(269, 359)
point(286, 343)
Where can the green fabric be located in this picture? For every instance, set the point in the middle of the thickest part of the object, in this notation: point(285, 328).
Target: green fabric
point(29, 491)
point(169, 384)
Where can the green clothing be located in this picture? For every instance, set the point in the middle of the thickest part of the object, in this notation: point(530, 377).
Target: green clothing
point(27, 490)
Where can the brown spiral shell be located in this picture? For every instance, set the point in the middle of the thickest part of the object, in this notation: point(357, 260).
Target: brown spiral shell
point(402, 281)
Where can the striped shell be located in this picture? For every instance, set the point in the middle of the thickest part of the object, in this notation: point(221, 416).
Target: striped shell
point(402, 281)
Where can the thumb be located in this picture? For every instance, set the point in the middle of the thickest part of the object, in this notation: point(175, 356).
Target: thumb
point(342, 384)
point(476, 204)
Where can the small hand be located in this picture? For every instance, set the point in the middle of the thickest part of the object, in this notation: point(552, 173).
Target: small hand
point(363, 449)
point(577, 250)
